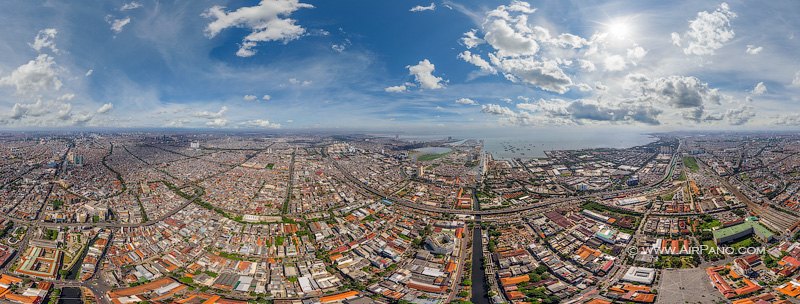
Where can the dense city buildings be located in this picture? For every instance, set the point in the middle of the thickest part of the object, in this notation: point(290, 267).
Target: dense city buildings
point(226, 218)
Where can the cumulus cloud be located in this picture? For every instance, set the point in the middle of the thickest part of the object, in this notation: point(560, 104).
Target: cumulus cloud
point(396, 89)
point(211, 115)
point(543, 74)
point(796, 79)
point(508, 116)
point(587, 65)
point(466, 101)
point(340, 47)
point(477, 61)
point(266, 98)
point(261, 123)
point(130, 6)
point(708, 32)
point(249, 97)
point(37, 75)
point(740, 115)
point(295, 81)
point(583, 110)
point(753, 50)
point(105, 108)
point(117, 25)
point(470, 40)
point(89, 73)
point(423, 74)
point(267, 21)
point(45, 39)
point(679, 92)
point(217, 122)
point(36, 109)
point(64, 112)
point(614, 63)
point(787, 120)
point(420, 8)
point(759, 89)
point(509, 37)
point(637, 53)
point(522, 52)
point(676, 39)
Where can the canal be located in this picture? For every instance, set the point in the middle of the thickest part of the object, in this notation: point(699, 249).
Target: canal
point(480, 290)
point(70, 295)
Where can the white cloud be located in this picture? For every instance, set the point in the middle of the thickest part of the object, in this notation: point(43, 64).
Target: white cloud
point(423, 74)
point(217, 122)
point(396, 89)
point(37, 75)
point(477, 61)
point(587, 65)
point(678, 92)
point(249, 97)
point(525, 53)
point(788, 120)
point(796, 79)
point(470, 40)
point(66, 97)
point(65, 111)
point(637, 53)
point(89, 73)
point(676, 39)
point(105, 108)
point(466, 101)
point(45, 39)
point(295, 81)
point(82, 118)
point(211, 115)
point(709, 31)
point(420, 8)
point(261, 123)
point(753, 50)
point(614, 63)
point(118, 24)
point(543, 74)
point(21, 110)
point(759, 89)
point(267, 21)
point(340, 47)
point(741, 115)
point(510, 37)
point(130, 6)
point(266, 97)
point(508, 116)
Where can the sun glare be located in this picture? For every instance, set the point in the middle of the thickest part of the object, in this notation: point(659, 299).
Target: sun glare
point(619, 29)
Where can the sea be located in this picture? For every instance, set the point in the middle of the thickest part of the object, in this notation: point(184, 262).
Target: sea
point(533, 144)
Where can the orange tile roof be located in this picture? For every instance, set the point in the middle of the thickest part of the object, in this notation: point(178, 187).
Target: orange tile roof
point(339, 296)
point(790, 290)
point(514, 280)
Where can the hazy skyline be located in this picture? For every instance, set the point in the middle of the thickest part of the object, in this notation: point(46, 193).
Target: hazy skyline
point(400, 65)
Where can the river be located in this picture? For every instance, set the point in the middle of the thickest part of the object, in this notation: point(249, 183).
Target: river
point(480, 291)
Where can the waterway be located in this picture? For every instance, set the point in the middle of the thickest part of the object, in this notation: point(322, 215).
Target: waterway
point(70, 295)
point(480, 290)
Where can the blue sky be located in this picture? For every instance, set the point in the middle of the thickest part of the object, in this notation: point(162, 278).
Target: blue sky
point(400, 65)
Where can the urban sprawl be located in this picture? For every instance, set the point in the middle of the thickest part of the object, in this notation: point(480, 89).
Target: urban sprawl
point(181, 217)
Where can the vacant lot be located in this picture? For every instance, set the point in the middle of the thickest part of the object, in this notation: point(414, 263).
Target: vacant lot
point(681, 286)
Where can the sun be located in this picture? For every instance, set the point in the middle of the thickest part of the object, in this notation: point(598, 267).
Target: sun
point(619, 29)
